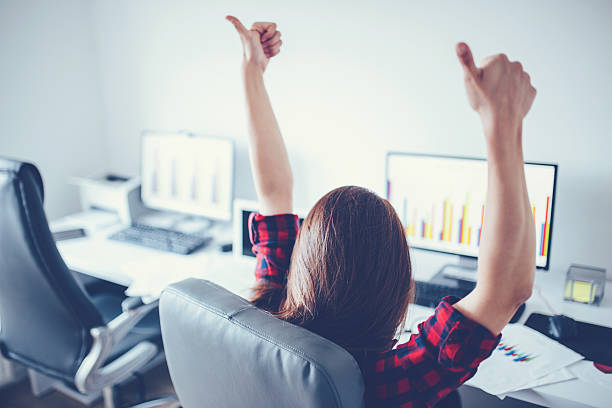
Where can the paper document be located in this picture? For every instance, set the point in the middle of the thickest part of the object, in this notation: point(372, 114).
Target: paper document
point(523, 359)
point(558, 376)
point(151, 276)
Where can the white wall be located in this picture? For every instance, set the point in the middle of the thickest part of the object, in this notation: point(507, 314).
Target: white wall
point(355, 79)
point(50, 111)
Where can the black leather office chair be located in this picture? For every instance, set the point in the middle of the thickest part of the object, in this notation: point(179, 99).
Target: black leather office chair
point(48, 323)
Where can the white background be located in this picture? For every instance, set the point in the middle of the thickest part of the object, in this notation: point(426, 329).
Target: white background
point(80, 79)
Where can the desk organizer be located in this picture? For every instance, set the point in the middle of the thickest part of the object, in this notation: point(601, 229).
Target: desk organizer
point(585, 284)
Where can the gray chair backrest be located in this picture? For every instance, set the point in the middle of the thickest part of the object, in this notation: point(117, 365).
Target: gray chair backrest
point(45, 316)
point(224, 352)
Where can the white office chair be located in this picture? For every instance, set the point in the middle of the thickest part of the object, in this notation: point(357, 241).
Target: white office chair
point(224, 352)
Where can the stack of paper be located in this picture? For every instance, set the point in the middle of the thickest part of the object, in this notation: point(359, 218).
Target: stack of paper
point(524, 359)
point(150, 276)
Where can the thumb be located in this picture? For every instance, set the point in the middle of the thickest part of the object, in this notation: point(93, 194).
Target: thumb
point(239, 27)
point(467, 61)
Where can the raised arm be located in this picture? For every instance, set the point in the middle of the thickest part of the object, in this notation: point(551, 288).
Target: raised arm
point(501, 92)
point(269, 160)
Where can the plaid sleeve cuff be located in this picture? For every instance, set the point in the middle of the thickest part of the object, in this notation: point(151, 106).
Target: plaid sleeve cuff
point(279, 228)
point(273, 238)
point(458, 341)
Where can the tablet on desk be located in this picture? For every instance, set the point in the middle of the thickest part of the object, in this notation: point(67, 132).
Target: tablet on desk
point(241, 246)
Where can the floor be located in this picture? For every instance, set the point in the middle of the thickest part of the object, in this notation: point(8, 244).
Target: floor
point(475, 398)
point(157, 382)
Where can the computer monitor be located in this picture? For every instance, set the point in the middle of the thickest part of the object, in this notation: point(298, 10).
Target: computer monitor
point(441, 201)
point(188, 174)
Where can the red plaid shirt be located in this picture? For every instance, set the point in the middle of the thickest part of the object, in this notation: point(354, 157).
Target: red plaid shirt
point(443, 355)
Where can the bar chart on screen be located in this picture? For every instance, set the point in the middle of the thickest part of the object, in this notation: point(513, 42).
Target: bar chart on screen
point(442, 202)
point(189, 174)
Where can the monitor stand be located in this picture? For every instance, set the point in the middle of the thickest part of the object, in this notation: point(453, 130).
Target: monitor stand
point(461, 274)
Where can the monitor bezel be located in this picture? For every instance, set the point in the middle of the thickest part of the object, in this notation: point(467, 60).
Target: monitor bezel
point(555, 166)
point(226, 216)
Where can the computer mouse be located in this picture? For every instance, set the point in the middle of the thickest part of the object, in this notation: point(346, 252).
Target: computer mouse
point(606, 369)
point(518, 314)
point(562, 327)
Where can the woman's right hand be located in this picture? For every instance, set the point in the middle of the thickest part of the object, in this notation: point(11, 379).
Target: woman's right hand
point(500, 91)
point(260, 43)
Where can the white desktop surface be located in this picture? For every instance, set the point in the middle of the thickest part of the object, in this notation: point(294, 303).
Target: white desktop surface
point(97, 256)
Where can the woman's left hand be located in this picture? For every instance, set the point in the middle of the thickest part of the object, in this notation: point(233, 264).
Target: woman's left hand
point(260, 43)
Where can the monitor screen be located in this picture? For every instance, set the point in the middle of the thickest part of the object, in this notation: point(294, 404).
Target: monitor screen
point(441, 201)
point(188, 174)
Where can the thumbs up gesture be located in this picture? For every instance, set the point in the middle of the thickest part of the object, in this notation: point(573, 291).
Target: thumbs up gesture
point(260, 43)
point(499, 90)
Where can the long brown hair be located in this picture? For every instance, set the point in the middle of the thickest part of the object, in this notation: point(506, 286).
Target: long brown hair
point(350, 275)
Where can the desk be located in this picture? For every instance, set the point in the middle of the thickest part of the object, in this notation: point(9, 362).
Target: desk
point(96, 256)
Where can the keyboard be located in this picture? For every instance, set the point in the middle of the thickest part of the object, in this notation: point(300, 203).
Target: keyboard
point(160, 238)
point(429, 294)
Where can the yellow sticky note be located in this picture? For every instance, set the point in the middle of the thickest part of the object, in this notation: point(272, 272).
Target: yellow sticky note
point(580, 291)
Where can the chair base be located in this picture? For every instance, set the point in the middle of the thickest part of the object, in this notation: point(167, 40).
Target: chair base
point(41, 385)
point(166, 402)
point(110, 401)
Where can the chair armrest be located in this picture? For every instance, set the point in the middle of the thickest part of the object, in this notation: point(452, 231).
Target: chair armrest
point(121, 325)
point(92, 375)
point(131, 303)
point(89, 380)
